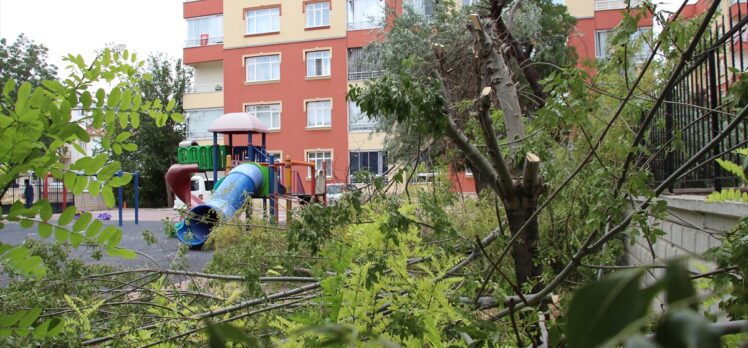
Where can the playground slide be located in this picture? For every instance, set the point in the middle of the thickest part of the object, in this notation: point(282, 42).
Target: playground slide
point(178, 178)
point(244, 181)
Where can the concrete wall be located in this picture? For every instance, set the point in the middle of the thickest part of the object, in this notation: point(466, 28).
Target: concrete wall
point(691, 226)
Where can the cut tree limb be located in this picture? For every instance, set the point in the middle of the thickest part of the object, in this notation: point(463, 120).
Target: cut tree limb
point(500, 78)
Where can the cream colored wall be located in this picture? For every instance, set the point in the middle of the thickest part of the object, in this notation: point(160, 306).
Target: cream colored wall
point(208, 73)
point(292, 23)
point(580, 8)
point(365, 141)
point(203, 100)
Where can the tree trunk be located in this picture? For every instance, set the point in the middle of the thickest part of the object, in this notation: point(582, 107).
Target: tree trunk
point(526, 247)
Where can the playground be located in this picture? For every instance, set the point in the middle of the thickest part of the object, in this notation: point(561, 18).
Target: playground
point(240, 174)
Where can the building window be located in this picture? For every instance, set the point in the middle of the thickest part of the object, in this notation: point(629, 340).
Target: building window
point(373, 162)
point(318, 63)
point(263, 68)
point(601, 43)
point(357, 120)
point(263, 21)
point(269, 114)
point(319, 157)
point(365, 14)
point(199, 120)
point(317, 14)
point(468, 171)
point(318, 114)
point(363, 65)
point(204, 31)
point(422, 7)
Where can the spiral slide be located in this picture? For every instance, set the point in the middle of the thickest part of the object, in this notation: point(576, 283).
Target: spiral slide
point(243, 182)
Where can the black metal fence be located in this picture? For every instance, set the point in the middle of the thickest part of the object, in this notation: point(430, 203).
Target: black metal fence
point(697, 108)
point(54, 193)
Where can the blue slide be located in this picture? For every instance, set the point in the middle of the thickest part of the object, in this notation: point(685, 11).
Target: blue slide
point(242, 183)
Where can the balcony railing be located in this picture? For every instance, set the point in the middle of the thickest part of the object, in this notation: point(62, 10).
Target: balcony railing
point(358, 127)
point(369, 24)
point(363, 75)
point(205, 88)
point(602, 5)
point(203, 42)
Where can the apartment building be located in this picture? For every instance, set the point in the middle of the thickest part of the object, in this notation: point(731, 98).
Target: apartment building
point(290, 63)
point(595, 20)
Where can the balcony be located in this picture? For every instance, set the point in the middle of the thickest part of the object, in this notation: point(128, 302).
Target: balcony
point(602, 5)
point(366, 24)
point(205, 98)
point(205, 88)
point(363, 75)
point(203, 42)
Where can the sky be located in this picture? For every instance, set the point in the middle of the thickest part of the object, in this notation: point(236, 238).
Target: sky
point(85, 26)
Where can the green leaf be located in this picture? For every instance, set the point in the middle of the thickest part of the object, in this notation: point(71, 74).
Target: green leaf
point(26, 223)
point(177, 117)
point(80, 185)
point(82, 222)
point(122, 137)
point(170, 104)
point(9, 87)
point(678, 286)
point(130, 147)
point(122, 253)
point(686, 328)
point(123, 118)
point(100, 97)
point(108, 195)
point(94, 228)
point(46, 210)
point(117, 149)
point(67, 216)
point(600, 310)
point(45, 230)
point(30, 317)
point(49, 328)
point(61, 235)
point(76, 239)
point(69, 179)
point(114, 97)
point(135, 120)
point(86, 100)
point(639, 341)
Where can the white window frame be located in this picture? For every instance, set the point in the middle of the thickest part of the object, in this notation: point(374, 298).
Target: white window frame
point(213, 28)
point(317, 14)
point(252, 16)
point(601, 49)
point(365, 14)
point(355, 118)
point(271, 111)
point(318, 63)
point(253, 63)
point(319, 114)
point(323, 156)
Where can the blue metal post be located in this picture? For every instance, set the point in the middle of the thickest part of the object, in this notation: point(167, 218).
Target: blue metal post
point(137, 194)
point(119, 199)
point(250, 148)
point(264, 148)
point(215, 157)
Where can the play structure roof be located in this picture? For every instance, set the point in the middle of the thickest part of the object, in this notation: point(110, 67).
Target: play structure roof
point(238, 122)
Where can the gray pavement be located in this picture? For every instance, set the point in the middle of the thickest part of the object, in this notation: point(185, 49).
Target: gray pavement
point(158, 255)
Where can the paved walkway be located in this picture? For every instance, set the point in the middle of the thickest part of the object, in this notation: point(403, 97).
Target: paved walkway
point(158, 255)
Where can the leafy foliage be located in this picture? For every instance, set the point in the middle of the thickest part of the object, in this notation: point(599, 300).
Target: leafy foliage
point(157, 139)
point(24, 60)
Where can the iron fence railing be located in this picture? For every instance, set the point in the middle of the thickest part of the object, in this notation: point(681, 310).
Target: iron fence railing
point(53, 192)
point(363, 75)
point(697, 109)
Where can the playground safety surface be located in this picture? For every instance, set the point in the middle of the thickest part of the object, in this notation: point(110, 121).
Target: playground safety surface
point(159, 255)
